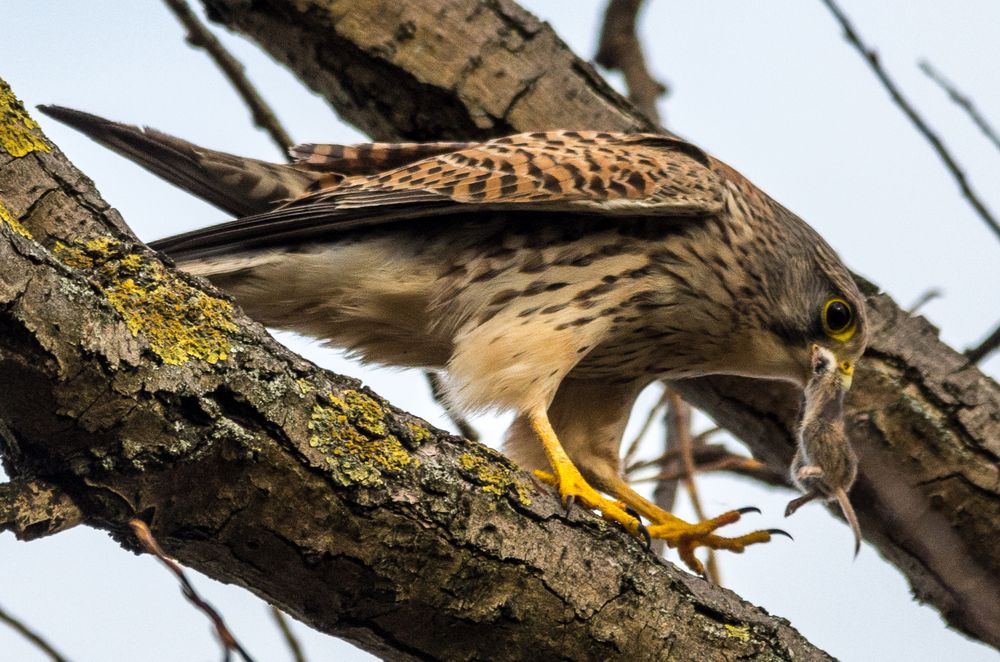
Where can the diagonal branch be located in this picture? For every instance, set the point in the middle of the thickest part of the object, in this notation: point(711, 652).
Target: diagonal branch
point(619, 49)
point(872, 60)
point(201, 37)
point(963, 101)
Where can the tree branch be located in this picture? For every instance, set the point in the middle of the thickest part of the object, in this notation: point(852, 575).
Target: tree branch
point(619, 49)
point(872, 60)
point(924, 419)
point(201, 37)
point(962, 101)
point(142, 392)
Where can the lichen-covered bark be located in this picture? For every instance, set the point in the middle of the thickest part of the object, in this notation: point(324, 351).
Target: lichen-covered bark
point(926, 422)
point(132, 390)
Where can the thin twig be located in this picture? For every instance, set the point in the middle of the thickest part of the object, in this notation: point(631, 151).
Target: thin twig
point(985, 348)
point(654, 411)
point(286, 631)
point(924, 299)
point(620, 49)
point(200, 37)
point(679, 421)
point(897, 96)
point(437, 392)
point(962, 100)
point(226, 638)
point(31, 636)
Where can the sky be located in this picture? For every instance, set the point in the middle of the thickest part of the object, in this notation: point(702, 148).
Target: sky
point(771, 88)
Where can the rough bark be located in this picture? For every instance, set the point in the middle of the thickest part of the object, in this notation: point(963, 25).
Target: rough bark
point(131, 390)
point(925, 420)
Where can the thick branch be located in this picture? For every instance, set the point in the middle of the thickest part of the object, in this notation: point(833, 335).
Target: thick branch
point(925, 420)
point(141, 392)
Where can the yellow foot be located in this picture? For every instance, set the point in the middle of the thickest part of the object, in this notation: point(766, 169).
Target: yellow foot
point(574, 489)
point(687, 537)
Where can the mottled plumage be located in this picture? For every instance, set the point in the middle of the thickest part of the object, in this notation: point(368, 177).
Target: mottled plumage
point(553, 274)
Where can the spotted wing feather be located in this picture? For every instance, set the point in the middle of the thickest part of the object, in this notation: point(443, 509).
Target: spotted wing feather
point(579, 172)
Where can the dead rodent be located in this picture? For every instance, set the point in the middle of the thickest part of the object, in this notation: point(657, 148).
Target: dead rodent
point(825, 464)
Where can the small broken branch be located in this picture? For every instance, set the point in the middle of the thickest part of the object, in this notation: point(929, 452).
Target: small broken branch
point(962, 101)
point(924, 299)
point(226, 638)
point(872, 59)
point(620, 50)
point(985, 348)
point(201, 37)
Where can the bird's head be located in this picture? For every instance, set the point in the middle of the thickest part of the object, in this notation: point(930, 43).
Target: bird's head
point(809, 299)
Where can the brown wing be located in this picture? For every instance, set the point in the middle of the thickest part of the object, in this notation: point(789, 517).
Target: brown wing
point(576, 172)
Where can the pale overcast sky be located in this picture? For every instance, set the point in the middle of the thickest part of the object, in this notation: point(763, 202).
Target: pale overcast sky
point(770, 87)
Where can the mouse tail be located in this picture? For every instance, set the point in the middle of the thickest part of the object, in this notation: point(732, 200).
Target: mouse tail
point(852, 519)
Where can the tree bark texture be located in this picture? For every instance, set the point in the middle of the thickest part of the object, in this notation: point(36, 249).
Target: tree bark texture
point(132, 390)
point(925, 420)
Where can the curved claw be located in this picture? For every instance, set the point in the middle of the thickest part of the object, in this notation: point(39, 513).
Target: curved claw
point(748, 509)
point(780, 532)
point(568, 502)
point(643, 531)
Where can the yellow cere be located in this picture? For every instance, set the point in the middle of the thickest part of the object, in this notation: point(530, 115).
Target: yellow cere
point(19, 134)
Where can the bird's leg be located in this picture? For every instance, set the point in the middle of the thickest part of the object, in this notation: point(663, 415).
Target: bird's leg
point(567, 478)
point(684, 536)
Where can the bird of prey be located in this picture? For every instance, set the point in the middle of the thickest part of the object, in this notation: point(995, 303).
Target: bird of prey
point(554, 274)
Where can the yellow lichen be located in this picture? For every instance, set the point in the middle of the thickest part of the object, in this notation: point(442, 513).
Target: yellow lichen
point(493, 476)
point(741, 632)
point(19, 133)
point(7, 218)
point(418, 433)
point(351, 432)
point(179, 322)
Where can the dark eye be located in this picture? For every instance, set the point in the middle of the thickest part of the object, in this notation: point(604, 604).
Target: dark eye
point(838, 319)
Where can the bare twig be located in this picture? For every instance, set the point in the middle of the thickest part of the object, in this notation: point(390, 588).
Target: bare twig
point(620, 49)
point(924, 299)
point(200, 37)
point(633, 446)
point(985, 348)
point(962, 100)
point(226, 638)
point(679, 425)
point(871, 57)
point(286, 631)
point(437, 392)
point(31, 636)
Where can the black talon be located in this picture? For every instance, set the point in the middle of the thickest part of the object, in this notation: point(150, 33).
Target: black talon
point(570, 500)
point(643, 531)
point(748, 509)
point(780, 532)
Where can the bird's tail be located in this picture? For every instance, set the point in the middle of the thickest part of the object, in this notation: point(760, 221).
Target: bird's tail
point(237, 185)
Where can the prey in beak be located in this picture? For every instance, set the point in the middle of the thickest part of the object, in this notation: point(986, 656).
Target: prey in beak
point(825, 464)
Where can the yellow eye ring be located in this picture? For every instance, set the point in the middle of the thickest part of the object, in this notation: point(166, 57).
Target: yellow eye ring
point(838, 319)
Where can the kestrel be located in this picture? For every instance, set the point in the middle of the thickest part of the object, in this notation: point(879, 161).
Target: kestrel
point(553, 274)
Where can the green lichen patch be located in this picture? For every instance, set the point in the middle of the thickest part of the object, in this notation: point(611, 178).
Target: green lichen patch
point(349, 428)
point(494, 477)
point(741, 632)
point(179, 322)
point(8, 219)
point(19, 133)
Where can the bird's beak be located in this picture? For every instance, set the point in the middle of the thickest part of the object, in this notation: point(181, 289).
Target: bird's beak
point(846, 369)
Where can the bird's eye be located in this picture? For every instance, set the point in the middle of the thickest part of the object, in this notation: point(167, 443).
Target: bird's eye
point(838, 319)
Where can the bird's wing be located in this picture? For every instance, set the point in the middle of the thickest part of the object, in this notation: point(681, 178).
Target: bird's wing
point(579, 172)
point(237, 185)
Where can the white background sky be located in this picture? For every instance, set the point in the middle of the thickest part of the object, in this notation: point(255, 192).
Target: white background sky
point(770, 87)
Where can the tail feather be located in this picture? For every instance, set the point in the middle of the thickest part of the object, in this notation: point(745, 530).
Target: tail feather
point(237, 185)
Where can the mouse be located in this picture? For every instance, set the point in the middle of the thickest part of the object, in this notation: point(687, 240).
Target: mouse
point(825, 465)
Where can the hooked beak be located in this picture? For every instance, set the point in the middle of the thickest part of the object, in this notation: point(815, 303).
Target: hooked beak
point(846, 369)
